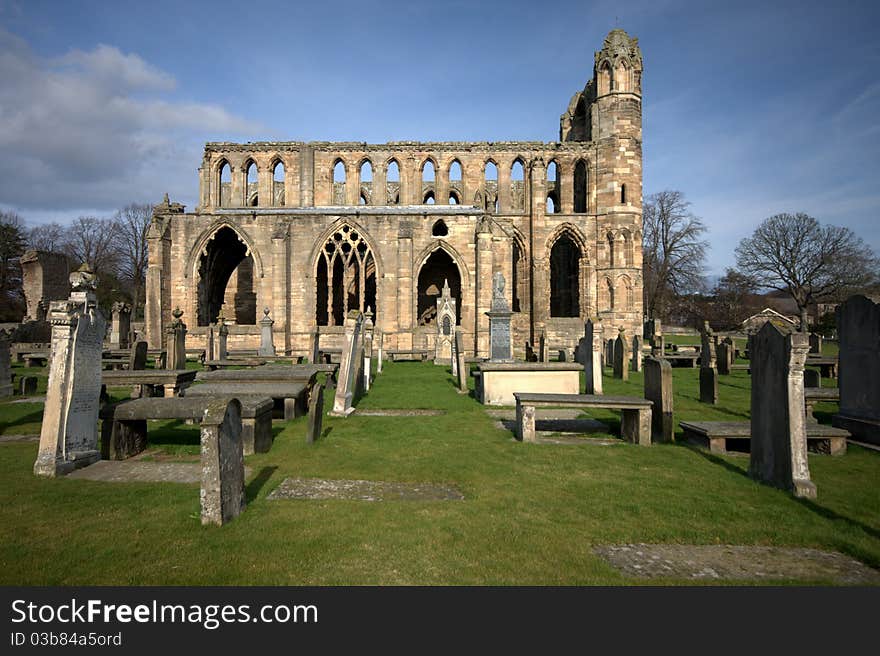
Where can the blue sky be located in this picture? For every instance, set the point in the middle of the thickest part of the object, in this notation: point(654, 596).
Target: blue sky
point(750, 108)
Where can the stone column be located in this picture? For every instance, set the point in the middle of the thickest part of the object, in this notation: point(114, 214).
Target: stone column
point(778, 421)
point(537, 206)
point(120, 326)
point(69, 434)
point(157, 299)
point(176, 342)
point(503, 191)
point(306, 177)
point(404, 285)
point(658, 389)
point(280, 284)
point(484, 287)
point(565, 177)
point(267, 343)
point(222, 493)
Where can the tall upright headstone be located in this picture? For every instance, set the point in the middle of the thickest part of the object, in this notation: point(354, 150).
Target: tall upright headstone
point(445, 326)
point(368, 349)
point(222, 495)
point(267, 343)
point(120, 325)
point(462, 369)
point(176, 334)
point(609, 352)
point(637, 353)
point(725, 355)
point(380, 354)
point(658, 389)
point(500, 344)
point(316, 414)
point(621, 355)
point(708, 370)
point(350, 365)
point(858, 325)
point(591, 355)
point(210, 343)
point(314, 346)
point(69, 435)
point(815, 344)
point(5, 366)
point(454, 357)
point(778, 424)
point(543, 351)
point(222, 335)
point(137, 358)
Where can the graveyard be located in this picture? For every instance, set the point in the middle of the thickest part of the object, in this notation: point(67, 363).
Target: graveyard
point(461, 500)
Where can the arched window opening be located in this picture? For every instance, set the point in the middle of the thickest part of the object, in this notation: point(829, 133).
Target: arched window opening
point(580, 186)
point(392, 182)
point(453, 198)
point(226, 281)
point(428, 171)
point(440, 229)
point(225, 187)
point(339, 182)
point(365, 179)
point(437, 269)
point(345, 277)
point(366, 171)
point(611, 259)
point(580, 125)
point(362, 199)
point(552, 203)
point(517, 171)
point(622, 194)
point(517, 185)
point(624, 295)
point(252, 177)
point(491, 171)
point(622, 76)
point(552, 171)
point(278, 183)
point(606, 78)
point(565, 278)
point(429, 198)
point(455, 171)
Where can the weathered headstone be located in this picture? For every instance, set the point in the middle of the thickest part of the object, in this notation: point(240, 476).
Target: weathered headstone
point(222, 493)
point(637, 353)
point(222, 336)
point(778, 424)
point(350, 365)
point(120, 325)
point(462, 366)
point(137, 358)
point(621, 355)
point(500, 345)
point(27, 385)
point(368, 349)
point(658, 389)
point(724, 358)
point(316, 414)
point(530, 353)
point(815, 344)
point(858, 326)
point(445, 326)
point(176, 341)
point(708, 369)
point(161, 360)
point(454, 357)
point(314, 346)
point(591, 355)
point(69, 435)
point(267, 343)
point(543, 351)
point(609, 352)
point(380, 350)
point(5, 366)
point(812, 378)
point(210, 343)
point(653, 332)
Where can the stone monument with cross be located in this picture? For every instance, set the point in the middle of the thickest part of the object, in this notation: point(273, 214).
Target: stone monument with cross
point(445, 326)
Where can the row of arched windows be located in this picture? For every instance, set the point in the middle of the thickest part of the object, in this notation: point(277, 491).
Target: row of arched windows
point(251, 192)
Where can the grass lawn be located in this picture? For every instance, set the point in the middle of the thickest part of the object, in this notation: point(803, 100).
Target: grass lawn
point(532, 512)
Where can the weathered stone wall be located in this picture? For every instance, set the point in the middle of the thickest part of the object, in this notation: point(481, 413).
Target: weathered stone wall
point(44, 279)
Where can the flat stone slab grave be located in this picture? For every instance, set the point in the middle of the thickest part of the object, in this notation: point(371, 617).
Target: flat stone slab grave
point(558, 426)
point(736, 563)
point(319, 488)
point(720, 435)
point(398, 412)
point(142, 471)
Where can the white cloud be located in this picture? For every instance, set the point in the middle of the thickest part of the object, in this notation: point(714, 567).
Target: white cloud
point(98, 129)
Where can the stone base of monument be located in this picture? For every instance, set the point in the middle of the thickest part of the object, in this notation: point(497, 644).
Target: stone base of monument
point(864, 430)
point(53, 467)
point(736, 436)
point(496, 382)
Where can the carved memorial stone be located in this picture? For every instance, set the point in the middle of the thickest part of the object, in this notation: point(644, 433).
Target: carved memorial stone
point(222, 491)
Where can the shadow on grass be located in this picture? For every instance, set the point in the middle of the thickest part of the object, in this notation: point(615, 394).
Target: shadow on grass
point(326, 431)
point(253, 488)
point(825, 513)
point(31, 418)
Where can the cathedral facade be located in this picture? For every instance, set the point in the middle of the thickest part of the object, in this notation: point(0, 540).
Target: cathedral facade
point(313, 230)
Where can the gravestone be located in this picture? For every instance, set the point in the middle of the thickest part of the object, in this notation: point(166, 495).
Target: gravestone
point(591, 355)
point(5, 366)
point(445, 326)
point(543, 352)
point(708, 370)
point(27, 385)
point(222, 335)
point(621, 355)
point(637, 353)
point(653, 332)
point(815, 344)
point(609, 352)
point(314, 346)
point(161, 360)
point(316, 414)
point(222, 493)
point(530, 353)
point(120, 325)
point(176, 334)
point(500, 345)
point(462, 366)
point(210, 344)
point(812, 378)
point(267, 343)
point(778, 424)
point(723, 355)
point(368, 349)
point(69, 435)
point(380, 355)
point(454, 358)
point(658, 389)
point(350, 365)
point(137, 358)
point(858, 326)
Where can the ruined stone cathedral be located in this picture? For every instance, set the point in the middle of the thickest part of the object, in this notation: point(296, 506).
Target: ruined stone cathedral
point(313, 230)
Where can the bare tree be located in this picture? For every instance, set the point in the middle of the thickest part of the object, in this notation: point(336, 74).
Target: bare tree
point(12, 245)
point(133, 222)
point(674, 251)
point(47, 237)
point(93, 240)
point(735, 298)
point(813, 263)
